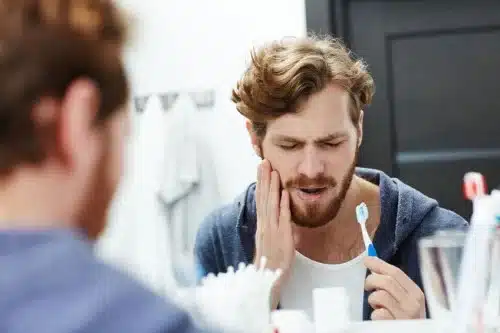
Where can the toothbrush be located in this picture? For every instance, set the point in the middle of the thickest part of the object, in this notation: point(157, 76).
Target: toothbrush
point(362, 217)
point(469, 308)
point(492, 304)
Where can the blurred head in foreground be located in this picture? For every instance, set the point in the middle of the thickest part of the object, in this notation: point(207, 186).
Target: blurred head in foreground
point(62, 112)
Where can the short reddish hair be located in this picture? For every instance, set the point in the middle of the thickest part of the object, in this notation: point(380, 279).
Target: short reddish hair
point(284, 73)
point(44, 46)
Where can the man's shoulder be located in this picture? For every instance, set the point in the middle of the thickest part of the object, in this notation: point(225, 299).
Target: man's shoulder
point(425, 213)
point(408, 210)
point(88, 294)
point(222, 217)
point(139, 308)
point(227, 216)
point(219, 242)
point(441, 218)
point(123, 304)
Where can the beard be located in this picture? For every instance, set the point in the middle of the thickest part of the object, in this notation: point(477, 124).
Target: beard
point(93, 215)
point(318, 214)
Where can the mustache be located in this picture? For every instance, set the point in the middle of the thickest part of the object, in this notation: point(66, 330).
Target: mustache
point(304, 181)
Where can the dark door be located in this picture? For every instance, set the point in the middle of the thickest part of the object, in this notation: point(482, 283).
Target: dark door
point(436, 111)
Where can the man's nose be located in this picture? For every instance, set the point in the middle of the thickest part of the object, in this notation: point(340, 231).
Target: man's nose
point(311, 164)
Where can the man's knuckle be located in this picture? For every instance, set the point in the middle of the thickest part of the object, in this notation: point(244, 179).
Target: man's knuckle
point(377, 296)
point(386, 281)
point(413, 309)
point(380, 314)
point(420, 296)
point(369, 280)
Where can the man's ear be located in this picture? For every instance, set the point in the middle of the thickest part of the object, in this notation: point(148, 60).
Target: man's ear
point(76, 125)
point(359, 128)
point(253, 138)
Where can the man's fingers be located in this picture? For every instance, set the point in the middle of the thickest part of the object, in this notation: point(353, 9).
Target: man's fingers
point(264, 186)
point(285, 208)
point(376, 281)
point(382, 299)
point(377, 265)
point(391, 280)
point(381, 314)
point(285, 229)
point(273, 200)
point(261, 207)
point(285, 225)
point(258, 192)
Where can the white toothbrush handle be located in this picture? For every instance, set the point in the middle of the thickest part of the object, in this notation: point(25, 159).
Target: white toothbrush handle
point(366, 237)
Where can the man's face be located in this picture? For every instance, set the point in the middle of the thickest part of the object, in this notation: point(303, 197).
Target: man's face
point(105, 176)
point(315, 153)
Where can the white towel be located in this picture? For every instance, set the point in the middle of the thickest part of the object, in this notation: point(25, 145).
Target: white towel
point(189, 189)
point(137, 237)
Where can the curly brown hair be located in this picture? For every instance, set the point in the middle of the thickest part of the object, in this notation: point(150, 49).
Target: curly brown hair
point(284, 73)
point(44, 46)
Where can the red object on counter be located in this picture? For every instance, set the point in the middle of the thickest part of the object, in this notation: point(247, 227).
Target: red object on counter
point(474, 185)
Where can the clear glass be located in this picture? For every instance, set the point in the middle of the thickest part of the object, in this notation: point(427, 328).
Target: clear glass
point(440, 257)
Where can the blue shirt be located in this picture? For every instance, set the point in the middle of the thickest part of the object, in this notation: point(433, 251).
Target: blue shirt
point(227, 236)
point(51, 282)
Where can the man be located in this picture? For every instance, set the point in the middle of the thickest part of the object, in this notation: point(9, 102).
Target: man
point(62, 131)
point(304, 101)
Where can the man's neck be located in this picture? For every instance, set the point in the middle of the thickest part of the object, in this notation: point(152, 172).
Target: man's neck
point(30, 201)
point(341, 240)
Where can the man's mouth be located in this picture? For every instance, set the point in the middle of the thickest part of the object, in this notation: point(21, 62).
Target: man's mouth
point(311, 193)
point(314, 190)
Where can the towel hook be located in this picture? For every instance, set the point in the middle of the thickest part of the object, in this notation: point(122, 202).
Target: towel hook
point(140, 102)
point(203, 99)
point(168, 99)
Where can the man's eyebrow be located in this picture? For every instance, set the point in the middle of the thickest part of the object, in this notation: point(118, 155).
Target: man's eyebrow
point(331, 137)
point(326, 138)
point(286, 138)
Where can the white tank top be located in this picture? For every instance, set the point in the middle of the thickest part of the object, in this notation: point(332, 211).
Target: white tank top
point(308, 274)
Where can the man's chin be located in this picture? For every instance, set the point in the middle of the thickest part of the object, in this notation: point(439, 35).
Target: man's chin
point(310, 224)
point(311, 220)
point(314, 217)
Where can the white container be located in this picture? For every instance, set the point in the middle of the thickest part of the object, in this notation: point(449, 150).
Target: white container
point(331, 309)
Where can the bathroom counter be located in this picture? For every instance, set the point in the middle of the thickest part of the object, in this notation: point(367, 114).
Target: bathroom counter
point(406, 326)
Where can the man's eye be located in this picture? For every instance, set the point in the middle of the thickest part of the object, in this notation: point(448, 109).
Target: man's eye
point(332, 144)
point(288, 147)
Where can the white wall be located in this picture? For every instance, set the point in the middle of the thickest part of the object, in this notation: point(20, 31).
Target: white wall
point(189, 45)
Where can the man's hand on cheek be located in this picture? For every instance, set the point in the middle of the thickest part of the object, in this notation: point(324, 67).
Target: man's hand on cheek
point(273, 238)
point(393, 294)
